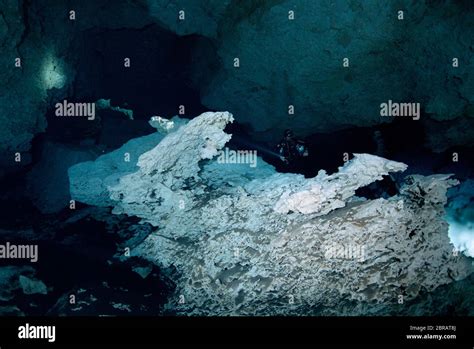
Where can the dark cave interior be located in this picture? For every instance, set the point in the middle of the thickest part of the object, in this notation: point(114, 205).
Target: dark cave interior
point(167, 70)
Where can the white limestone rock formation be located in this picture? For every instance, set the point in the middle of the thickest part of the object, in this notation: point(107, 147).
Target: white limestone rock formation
point(164, 125)
point(88, 181)
point(243, 241)
point(160, 186)
point(324, 193)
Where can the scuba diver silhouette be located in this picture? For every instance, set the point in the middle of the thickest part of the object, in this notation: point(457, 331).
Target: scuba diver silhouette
point(291, 148)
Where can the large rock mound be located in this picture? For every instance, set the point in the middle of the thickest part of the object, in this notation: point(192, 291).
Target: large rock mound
point(270, 243)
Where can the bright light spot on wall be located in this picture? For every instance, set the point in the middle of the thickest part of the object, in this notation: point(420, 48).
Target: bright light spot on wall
point(52, 73)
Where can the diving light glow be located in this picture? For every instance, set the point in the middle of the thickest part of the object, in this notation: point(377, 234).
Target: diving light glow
point(462, 236)
point(52, 74)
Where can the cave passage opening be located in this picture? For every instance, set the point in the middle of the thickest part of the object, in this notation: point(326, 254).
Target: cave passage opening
point(148, 70)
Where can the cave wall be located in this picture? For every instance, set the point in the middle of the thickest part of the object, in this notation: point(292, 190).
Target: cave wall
point(79, 59)
point(300, 63)
point(282, 62)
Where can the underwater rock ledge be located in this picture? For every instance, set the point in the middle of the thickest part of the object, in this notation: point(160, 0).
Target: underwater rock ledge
point(258, 242)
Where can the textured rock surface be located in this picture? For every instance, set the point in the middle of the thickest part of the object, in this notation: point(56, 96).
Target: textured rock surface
point(282, 62)
point(16, 278)
point(31, 286)
point(444, 91)
point(177, 170)
point(300, 63)
point(200, 17)
point(22, 105)
point(324, 193)
point(92, 178)
point(230, 252)
point(29, 31)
